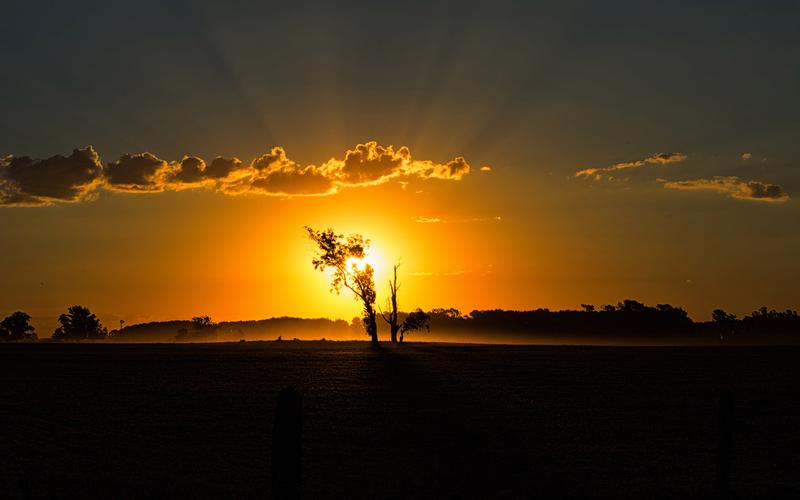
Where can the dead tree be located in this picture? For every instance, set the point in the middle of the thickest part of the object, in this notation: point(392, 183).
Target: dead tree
point(391, 318)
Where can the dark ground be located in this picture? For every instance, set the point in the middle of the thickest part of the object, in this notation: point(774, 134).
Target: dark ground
point(422, 420)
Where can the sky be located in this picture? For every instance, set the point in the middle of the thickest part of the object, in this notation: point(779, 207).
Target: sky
point(507, 154)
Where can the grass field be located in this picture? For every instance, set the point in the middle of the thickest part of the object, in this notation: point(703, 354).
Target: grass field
point(421, 420)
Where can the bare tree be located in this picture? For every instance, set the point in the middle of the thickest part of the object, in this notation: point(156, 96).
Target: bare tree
point(340, 254)
point(416, 320)
point(391, 318)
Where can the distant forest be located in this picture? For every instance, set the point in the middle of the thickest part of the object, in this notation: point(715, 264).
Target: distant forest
point(629, 321)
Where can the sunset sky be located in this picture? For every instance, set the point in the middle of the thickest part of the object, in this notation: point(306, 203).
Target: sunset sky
point(509, 155)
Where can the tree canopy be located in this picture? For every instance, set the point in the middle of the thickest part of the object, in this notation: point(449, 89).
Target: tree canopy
point(415, 321)
point(17, 327)
point(79, 324)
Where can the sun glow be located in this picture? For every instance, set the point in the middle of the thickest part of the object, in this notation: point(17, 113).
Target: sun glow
point(361, 264)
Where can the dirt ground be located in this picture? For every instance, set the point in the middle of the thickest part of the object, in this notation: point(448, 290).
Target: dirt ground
point(419, 420)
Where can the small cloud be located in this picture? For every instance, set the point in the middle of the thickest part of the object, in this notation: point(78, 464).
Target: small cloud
point(426, 220)
point(476, 219)
point(746, 156)
point(486, 168)
point(599, 173)
point(734, 188)
point(433, 220)
point(426, 274)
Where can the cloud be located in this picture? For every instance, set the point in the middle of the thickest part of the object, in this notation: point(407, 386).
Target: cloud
point(27, 182)
point(436, 220)
point(222, 168)
point(426, 220)
point(141, 172)
point(191, 170)
point(274, 173)
point(32, 182)
point(657, 159)
point(369, 163)
point(425, 274)
point(735, 188)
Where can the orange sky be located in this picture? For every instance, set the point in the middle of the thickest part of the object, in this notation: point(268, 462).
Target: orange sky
point(484, 241)
point(637, 150)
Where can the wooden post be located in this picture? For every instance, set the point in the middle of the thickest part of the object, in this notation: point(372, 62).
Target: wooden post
point(287, 444)
point(724, 432)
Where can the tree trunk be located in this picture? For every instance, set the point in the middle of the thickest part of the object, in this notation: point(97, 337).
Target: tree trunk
point(373, 334)
point(372, 325)
point(393, 326)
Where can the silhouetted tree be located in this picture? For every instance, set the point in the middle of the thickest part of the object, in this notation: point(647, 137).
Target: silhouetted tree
point(450, 312)
point(17, 327)
point(78, 324)
point(391, 318)
point(200, 322)
point(721, 317)
point(723, 322)
point(629, 305)
point(338, 253)
point(415, 321)
point(201, 325)
point(770, 321)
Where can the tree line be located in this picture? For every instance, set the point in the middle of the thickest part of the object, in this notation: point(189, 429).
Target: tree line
point(627, 319)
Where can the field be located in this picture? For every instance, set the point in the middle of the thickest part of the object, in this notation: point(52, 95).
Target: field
point(421, 420)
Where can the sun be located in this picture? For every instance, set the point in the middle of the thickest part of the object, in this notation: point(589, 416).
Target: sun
point(361, 264)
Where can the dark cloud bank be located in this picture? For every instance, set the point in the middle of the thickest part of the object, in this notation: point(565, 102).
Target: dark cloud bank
point(79, 177)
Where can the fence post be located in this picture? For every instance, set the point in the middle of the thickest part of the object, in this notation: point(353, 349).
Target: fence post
point(724, 431)
point(287, 444)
